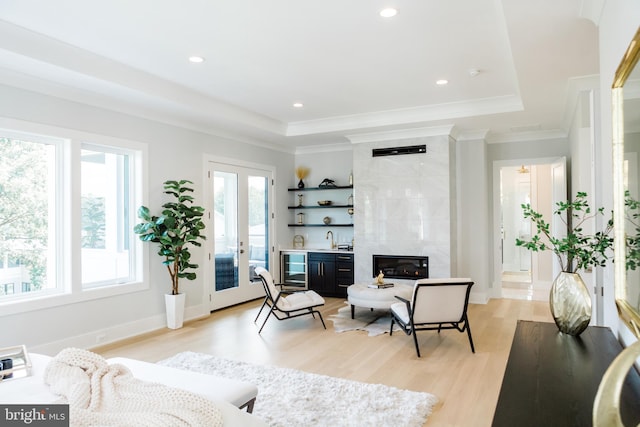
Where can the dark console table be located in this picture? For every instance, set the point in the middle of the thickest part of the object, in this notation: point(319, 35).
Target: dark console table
point(551, 379)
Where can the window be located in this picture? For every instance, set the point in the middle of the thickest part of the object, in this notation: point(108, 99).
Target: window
point(28, 197)
point(67, 209)
point(106, 226)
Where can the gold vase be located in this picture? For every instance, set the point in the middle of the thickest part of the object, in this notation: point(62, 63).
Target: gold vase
point(570, 303)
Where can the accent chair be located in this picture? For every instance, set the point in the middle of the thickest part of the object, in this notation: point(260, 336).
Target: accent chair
point(287, 304)
point(436, 304)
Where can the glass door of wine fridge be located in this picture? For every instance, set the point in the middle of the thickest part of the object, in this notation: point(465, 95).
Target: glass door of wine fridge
point(294, 269)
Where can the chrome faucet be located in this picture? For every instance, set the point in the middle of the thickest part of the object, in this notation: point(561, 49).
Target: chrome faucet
point(333, 245)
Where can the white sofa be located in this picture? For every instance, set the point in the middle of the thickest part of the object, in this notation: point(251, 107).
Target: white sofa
point(234, 398)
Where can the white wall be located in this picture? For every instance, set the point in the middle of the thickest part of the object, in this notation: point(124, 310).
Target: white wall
point(174, 153)
point(474, 230)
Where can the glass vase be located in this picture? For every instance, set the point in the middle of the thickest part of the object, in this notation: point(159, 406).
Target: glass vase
point(570, 303)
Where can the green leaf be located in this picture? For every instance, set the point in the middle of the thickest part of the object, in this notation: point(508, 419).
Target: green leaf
point(143, 213)
point(177, 228)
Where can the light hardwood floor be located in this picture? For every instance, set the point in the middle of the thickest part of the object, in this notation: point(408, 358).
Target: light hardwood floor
point(466, 384)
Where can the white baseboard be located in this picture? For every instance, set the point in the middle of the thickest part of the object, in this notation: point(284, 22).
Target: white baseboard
point(478, 297)
point(116, 333)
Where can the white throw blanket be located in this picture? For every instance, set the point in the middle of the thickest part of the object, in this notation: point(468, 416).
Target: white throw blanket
point(100, 394)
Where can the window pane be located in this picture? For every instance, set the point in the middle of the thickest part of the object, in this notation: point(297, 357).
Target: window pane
point(27, 217)
point(225, 207)
point(258, 225)
point(106, 228)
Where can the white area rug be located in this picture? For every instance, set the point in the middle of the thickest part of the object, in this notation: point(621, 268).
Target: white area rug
point(375, 322)
point(287, 397)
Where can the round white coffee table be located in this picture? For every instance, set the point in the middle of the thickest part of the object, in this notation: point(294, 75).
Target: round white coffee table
point(363, 296)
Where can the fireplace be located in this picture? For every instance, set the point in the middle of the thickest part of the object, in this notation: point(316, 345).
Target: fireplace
point(401, 267)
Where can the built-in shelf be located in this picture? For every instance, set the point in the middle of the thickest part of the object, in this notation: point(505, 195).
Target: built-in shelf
point(338, 187)
point(321, 207)
point(331, 206)
point(321, 225)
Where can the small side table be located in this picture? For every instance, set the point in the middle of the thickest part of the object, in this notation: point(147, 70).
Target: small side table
point(362, 295)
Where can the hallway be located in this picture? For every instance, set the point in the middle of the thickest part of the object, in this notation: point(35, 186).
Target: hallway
point(518, 285)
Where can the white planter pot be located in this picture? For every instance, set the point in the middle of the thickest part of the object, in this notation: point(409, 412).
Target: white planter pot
point(174, 305)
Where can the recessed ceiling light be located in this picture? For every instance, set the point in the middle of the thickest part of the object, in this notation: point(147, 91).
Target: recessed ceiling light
point(298, 104)
point(388, 12)
point(442, 82)
point(196, 59)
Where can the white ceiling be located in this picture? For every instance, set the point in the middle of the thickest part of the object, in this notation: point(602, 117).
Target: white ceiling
point(355, 71)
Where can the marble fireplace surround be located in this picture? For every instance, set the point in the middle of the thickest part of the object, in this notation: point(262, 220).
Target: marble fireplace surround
point(405, 204)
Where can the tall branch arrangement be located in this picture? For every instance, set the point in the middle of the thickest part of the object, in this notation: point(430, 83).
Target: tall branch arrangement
point(577, 250)
point(175, 229)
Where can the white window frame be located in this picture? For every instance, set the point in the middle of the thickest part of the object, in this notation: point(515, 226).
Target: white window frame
point(133, 203)
point(69, 288)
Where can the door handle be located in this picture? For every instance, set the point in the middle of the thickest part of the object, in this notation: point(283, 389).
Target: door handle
point(241, 251)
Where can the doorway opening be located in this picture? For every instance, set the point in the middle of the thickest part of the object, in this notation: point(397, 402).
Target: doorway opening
point(515, 190)
point(522, 274)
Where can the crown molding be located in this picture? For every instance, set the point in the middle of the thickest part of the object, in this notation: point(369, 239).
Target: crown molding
point(108, 81)
point(324, 148)
point(400, 134)
point(407, 116)
point(471, 135)
point(501, 138)
point(15, 81)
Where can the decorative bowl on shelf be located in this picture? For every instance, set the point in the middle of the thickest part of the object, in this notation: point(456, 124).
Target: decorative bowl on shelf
point(324, 202)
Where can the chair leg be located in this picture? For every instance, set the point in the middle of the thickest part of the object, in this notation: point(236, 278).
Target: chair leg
point(321, 319)
point(466, 325)
point(415, 339)
point(393, 321)
point(266, 318)
point(260, 311)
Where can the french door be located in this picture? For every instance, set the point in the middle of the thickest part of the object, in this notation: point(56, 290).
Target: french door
point(240, 201)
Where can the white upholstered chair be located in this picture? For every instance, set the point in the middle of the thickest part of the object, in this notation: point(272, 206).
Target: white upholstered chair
point(436, 304)
point(287, 304)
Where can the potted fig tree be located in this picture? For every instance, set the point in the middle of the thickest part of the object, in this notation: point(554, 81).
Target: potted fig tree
point(570, 300)
point(175, 230)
